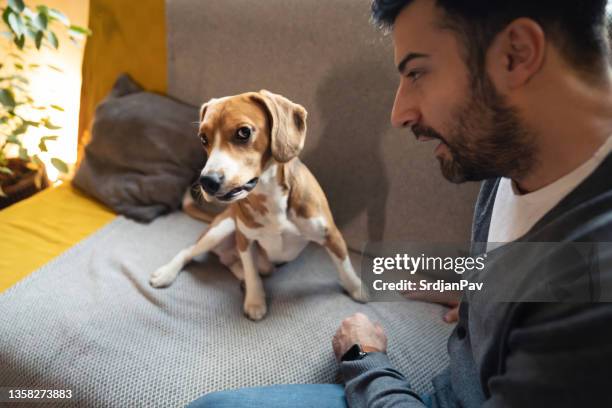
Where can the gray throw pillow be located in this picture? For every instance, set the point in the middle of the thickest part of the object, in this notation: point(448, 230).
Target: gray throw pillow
point(143, 153)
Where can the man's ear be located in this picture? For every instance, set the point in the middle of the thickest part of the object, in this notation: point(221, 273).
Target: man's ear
point(517, 53)
point(287, 124)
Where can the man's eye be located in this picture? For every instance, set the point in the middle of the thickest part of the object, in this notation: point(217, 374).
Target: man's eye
point(244, 133)
point(204, 139)
point(414, 75)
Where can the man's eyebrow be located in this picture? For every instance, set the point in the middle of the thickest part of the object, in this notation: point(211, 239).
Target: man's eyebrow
point(408, 58)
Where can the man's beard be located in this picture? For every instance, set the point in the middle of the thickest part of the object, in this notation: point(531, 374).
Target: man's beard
point(487, 139)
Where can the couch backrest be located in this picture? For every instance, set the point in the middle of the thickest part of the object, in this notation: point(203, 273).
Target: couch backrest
point(325, 55)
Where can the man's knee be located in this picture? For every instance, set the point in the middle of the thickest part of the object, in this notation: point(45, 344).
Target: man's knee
point(217, 399)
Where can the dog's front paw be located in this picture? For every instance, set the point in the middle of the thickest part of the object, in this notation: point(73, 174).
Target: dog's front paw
point(163, 277)
point(267, 271)
point(359, 294)
point(255, 310)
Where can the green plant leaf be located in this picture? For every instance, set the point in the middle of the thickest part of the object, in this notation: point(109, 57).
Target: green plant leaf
point(79, 31)
point(19, 41)
point(5, 14)
point(13, 139)
point(31, 33)
point(40, 21)
point(23, 154)
point(21, 78)
point(28, 13)
point(16, 56)
point(21, 129)
point(57, 107)
point(7, 98)
point(16, 5)
point(38, 39)
point(53, 67)
point(19, 66)
point(42, 145)
point(16, 24)
point(6, 170)
point(52, 38)
point(59, 16)
point(33, 66)
point(37, 160)
point(59, 165)
point(30, 123)
point(47, 123)
point(19, 87)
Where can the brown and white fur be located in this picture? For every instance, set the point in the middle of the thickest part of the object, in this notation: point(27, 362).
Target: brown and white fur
point(276, 204)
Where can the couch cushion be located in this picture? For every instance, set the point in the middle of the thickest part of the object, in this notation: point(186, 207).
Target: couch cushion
point(143, 154)
point(93, 323)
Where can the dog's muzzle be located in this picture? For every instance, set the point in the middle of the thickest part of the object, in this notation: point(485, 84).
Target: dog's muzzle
point(250, 185)
point(211, 182)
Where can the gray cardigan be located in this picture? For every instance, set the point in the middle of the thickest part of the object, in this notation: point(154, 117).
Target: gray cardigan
point(521, 354)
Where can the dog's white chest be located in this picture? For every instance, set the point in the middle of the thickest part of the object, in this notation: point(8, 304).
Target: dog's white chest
point(278, 235)
point(282, 248)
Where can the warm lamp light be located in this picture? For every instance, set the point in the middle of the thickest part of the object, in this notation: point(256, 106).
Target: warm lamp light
point(53, 77)
point(49, 87)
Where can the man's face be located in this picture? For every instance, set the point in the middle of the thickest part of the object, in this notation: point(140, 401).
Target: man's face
point(440, 98)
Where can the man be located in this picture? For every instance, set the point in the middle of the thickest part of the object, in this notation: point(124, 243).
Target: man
point(519, 94)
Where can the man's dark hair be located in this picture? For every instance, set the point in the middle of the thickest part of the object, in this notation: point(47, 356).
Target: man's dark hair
point(576, 27)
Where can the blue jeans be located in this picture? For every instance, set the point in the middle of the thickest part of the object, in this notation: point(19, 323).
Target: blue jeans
point(279, 396)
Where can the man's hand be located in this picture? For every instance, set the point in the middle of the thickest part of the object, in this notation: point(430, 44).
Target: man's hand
point(358, 329)
point(453, 314)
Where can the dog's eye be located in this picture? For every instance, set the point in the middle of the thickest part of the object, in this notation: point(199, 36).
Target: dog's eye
point(244, 133)
point(204, 139)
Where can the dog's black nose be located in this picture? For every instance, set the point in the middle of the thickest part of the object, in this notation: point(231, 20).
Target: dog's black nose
point(211, 182)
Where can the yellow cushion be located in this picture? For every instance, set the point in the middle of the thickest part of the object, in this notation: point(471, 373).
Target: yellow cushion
point(36, 230)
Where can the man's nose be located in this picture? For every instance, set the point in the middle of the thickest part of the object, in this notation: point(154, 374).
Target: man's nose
point(211, 182)
point(405, 112)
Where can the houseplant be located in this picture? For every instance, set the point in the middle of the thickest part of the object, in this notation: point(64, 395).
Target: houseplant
point(24, 31)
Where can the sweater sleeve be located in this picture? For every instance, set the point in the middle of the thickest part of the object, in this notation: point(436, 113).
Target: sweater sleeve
point(372, 382)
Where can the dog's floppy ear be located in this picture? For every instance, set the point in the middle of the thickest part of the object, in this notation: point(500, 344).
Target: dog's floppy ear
point(287, 125)
point(204, 107)
point(203, 110)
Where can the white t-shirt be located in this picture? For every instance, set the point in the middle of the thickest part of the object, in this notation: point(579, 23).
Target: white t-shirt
point(514, 214)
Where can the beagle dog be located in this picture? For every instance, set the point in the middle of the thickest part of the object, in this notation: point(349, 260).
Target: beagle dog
point(276, 205)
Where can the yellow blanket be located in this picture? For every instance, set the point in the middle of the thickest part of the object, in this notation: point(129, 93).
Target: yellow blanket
point(36, 230)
